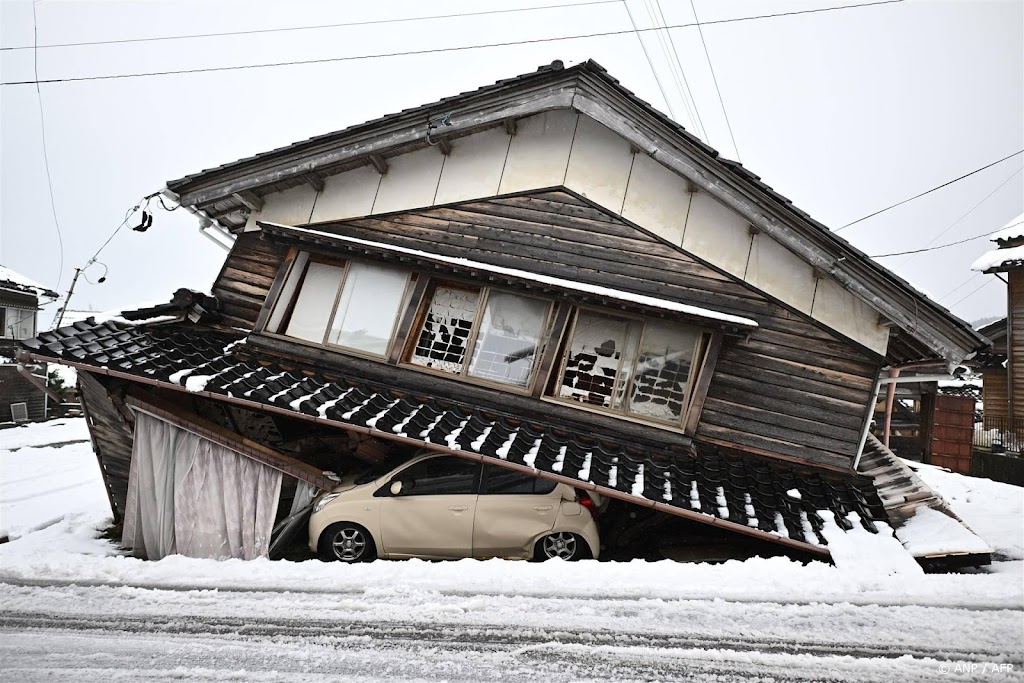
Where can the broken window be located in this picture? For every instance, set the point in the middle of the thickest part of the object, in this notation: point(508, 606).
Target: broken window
point(354, 305)
point(500, 343)
point(640, 368)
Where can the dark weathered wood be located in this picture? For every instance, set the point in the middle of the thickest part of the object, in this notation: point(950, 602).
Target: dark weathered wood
point(111, 437)
point(379, 164)
point(246, 278)
point(407, 324)
point(549, 354)
point(790, 366)
point(249, 199)
point(275, 288)
point(699, 393)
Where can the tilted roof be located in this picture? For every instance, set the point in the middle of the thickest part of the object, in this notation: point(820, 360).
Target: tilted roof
point(924, 325)
point(16, 282)
point(778, 501)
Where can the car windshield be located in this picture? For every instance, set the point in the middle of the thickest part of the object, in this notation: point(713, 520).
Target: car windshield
point(383, 467)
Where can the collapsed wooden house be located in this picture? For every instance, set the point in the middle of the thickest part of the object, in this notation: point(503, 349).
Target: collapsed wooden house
point(546, 274)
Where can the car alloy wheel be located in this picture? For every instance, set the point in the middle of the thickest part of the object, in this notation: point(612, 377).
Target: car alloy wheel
point(563, 545)
point(349, 543)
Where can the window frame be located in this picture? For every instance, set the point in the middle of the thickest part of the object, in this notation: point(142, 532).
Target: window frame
point(544, 338)
point(286, 272)
point(705, 340)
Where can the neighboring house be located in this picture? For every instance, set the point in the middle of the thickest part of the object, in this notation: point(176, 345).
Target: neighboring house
point(546, 274)
point(20, 398)
point(1004, 395)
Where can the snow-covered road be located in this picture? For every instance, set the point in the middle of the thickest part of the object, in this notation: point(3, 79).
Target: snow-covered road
point(95, 632)
point(72, 608)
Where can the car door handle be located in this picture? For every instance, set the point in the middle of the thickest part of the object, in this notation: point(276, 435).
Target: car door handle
point(542, 508)
point(458, 508)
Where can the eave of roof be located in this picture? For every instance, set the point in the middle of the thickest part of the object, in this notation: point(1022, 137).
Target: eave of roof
point(621, 297)
point(585, 87)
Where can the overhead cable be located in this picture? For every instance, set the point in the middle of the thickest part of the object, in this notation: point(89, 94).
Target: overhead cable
point(439, 50)
point(937, 187)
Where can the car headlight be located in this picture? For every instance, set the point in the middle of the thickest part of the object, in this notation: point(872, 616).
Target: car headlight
point(323, 501)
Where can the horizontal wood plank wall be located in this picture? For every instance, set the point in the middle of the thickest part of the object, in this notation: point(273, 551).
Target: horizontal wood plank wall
point(791, 389)
point(14, 388)
point(246, 278)
point(112, 440)
point(1015, 342)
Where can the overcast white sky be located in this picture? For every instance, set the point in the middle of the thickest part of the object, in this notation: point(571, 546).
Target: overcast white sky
point(844, 112)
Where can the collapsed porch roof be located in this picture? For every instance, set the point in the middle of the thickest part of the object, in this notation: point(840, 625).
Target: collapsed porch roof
point(775, 501)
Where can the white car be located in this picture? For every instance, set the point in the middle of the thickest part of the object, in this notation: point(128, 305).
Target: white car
point(445, 507)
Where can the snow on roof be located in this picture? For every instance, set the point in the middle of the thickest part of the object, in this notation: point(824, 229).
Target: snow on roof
point(930, 532)
point(10, 279)
point(999, 258)
point(1012, 230)
point(617, 294)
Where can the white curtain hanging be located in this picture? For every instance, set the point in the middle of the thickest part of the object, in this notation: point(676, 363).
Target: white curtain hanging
point(190, 496)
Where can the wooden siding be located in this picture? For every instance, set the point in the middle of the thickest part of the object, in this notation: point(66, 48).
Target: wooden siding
point(246, 278)
point(792, 389)
point(1015, 342)
point(111, 438)
point(993, 396)
point(16, 389)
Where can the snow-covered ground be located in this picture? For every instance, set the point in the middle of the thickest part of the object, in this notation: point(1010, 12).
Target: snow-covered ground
point(73, 608)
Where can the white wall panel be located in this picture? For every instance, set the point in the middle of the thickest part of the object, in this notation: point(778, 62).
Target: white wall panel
point(347, 195)
point(845, 313)
point(473, 169)
point(289, 207)
point(410, 182)
point(776, 270)
point(539, 152)
point(717, 235)
point(599, 164)
point(657, 199)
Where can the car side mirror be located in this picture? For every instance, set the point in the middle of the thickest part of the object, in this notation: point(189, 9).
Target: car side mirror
point(396, 488)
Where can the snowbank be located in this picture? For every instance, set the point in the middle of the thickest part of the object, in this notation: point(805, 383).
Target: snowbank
point(54, 506)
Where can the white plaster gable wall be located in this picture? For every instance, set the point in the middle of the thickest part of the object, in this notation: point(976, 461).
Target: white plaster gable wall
point(773, 268)
point(562, 147)
point(539, 152)
point(347, 195)
point(473, 169)
point(411, 181)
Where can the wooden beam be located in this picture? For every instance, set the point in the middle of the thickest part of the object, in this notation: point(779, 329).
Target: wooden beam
point(315, 181)
point(250, 200)
point(510, 126)
point(379, 163)
point(445, 146)
point(211, 431)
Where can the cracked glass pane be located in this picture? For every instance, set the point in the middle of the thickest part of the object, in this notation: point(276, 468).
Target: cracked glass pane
point(594, 359)
point(660, 379)
point(446, 328)
point(509, 335)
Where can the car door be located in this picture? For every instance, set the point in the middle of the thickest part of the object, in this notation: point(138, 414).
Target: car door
point(433, 514)
point(512, 509)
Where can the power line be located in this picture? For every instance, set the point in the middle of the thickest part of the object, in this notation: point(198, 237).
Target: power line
point(654, 71)
point(938, 187)
point(968, 213)
point(682, 71)
point(462, 48)
point(315, 27)
point(984, 284)
point(46, 159)
point(714, 78)
point(962, 284)
point(941, 246)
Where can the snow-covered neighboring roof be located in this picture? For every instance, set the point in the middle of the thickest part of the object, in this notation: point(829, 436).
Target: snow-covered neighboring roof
point(1012, 230)
point(999, 258)
point(14, 281)
point(607, 292)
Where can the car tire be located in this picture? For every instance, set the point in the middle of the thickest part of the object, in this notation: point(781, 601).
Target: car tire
point(346, 542)
point(564, 545)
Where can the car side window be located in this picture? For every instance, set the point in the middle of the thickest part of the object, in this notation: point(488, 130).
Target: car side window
point(440, 476)
point(498, 481)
